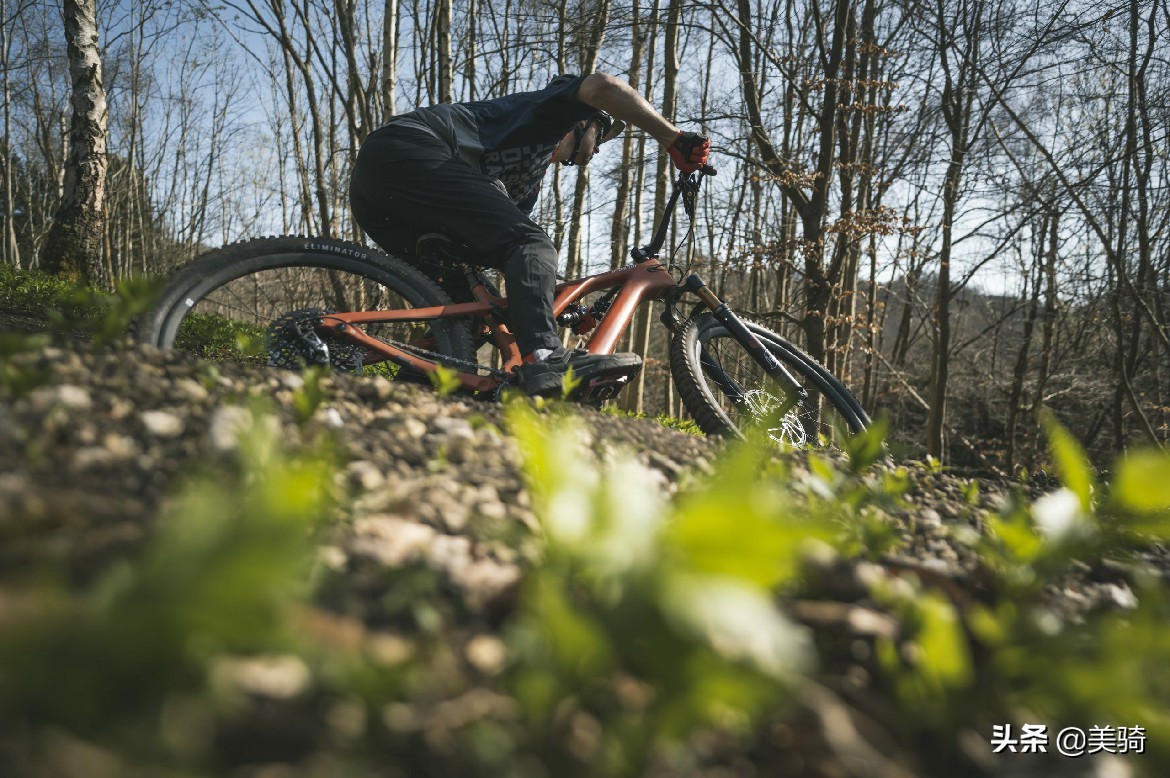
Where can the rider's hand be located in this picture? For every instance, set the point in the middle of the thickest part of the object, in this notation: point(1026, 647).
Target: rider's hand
point(579, 145)
point(590, 141)
point(689, 151)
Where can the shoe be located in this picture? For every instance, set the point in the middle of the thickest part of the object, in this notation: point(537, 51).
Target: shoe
point(547, 378)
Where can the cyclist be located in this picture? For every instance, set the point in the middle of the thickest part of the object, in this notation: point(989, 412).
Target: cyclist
point(472, 171)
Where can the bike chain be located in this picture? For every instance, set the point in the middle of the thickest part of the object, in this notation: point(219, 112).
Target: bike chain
point(446, 360)
point(504, 378)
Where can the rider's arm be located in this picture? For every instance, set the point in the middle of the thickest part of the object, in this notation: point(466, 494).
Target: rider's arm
point(621, 101)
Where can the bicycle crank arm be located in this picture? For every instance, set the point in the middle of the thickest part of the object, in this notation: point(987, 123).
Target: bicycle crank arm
point(727, 317)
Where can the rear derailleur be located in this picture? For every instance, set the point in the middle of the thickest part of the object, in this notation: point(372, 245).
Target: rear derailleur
point(294, 343)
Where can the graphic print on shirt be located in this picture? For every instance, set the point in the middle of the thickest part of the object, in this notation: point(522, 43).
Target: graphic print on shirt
point(520, 169)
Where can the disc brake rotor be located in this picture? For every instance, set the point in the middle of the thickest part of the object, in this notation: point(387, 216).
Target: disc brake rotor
point(761, 408)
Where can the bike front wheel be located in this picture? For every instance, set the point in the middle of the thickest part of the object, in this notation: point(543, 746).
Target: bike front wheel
point(729, 393)
point(258, 301)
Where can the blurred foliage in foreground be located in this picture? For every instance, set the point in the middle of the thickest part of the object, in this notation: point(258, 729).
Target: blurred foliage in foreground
point(648, 637)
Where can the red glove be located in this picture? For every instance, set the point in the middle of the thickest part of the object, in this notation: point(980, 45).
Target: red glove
point(689, 151)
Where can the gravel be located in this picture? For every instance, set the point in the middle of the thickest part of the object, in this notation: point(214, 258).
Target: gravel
point(88, 459)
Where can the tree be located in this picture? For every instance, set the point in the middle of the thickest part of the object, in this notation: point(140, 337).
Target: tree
point(74, 246)
point(8, 247)
point(389, 56)
point(588, 50)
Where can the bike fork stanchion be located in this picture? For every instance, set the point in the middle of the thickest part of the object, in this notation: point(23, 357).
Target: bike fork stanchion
point(746, 338)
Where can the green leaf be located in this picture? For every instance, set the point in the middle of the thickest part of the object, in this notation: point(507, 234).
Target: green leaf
point(1142, 482)
point(1018, 537)
point(867, 447)
point(946, 660)
point(580, 646)
point(569, 384)
point(1071, 461)
point(445, 380)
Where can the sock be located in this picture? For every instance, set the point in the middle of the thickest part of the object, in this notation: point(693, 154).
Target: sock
point(542, 354)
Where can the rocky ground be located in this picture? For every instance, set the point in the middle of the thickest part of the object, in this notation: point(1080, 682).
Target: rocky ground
point(88, 457)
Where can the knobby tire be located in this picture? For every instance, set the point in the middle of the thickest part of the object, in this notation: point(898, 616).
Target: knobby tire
point(277, 262)
point(709, 405)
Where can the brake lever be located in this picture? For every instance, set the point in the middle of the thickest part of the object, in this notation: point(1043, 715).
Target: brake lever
point(690, 191)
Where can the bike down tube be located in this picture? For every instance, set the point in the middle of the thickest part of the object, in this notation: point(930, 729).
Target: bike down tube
point(648, 280)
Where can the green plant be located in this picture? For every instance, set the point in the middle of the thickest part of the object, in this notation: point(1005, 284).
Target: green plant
point(221, 575)
point(32, 290)
point(444, 380)
point(960, 663)
point(20, 372)
point(310, 395)
point(569, 384)
point(70, 308)
point(221, 338)
point(633, 594)
point(671, 422)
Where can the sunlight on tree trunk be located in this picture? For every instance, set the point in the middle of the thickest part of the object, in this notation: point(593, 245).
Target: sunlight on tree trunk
point(74, 247)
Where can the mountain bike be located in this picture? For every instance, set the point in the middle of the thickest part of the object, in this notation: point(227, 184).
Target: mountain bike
point(298, 301)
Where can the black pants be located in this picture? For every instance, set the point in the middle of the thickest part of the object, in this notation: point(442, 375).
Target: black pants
point(407, 183)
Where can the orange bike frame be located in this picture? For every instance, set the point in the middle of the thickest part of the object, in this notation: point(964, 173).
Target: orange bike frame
point(648, 280)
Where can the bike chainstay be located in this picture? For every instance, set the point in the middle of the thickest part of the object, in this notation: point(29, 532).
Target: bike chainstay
point(445, 360)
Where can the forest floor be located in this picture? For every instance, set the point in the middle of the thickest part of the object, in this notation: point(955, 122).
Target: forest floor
point(92, 453)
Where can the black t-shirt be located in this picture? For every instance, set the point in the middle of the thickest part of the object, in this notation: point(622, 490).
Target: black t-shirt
point(510, 138)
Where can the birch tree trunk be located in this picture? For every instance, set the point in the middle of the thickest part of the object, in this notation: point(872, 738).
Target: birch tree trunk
point(472, 46)
point(443, 33)
point(8, 245)
point(389, 57)
point(74, 246)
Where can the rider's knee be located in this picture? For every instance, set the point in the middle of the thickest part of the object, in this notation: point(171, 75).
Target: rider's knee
point(532, 243)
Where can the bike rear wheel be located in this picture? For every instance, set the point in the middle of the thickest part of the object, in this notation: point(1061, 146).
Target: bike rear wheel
point(245, 302)
point(728, 392)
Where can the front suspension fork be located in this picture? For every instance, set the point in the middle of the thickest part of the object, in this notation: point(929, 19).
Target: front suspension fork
point(746, 338)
